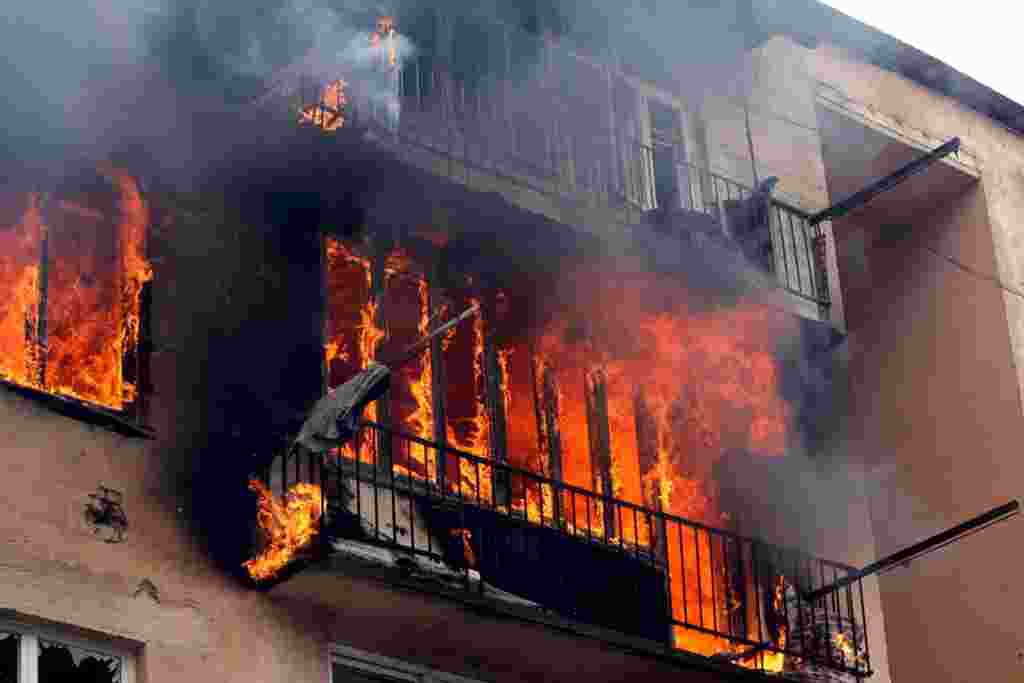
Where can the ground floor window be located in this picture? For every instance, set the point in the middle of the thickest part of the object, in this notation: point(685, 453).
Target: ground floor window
point(31, 655)
point(349, 665)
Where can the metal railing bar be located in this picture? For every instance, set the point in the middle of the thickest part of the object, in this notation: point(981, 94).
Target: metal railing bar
point(579, 491)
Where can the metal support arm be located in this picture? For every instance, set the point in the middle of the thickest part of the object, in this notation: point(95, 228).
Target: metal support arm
point(890, 181)
point(918, 549)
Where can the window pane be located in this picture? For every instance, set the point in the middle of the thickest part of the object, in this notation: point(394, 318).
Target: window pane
point(8, 657)
point(343, 674)
point(59, 663)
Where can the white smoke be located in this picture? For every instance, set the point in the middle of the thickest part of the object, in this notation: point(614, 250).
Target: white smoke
point(340, 47)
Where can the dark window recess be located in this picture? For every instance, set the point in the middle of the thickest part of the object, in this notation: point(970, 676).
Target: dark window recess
point(524, 55)
point(417, 77)
point(478, 52)
point(344, 674)
point(9, 657)
point(59, 663)
point(421, 29)
point(669, 154)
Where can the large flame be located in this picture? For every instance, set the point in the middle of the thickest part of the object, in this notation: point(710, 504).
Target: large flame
point(471, 434)
point(92, 278)
point(685, 384)
point(288, 526)
point(418, 380)
point(19, 292)
point(775, 661)
point(351, 336)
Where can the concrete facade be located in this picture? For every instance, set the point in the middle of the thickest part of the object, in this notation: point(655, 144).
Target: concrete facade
point(931, 299)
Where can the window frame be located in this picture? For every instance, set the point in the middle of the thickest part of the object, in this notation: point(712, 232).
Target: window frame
point(128, 420)
point(29, 648)
point(388, 667)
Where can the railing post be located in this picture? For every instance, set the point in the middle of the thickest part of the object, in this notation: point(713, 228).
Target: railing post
point(38, 332)
point(819, 250)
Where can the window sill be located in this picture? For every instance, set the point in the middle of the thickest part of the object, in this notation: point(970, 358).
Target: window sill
point(82, 411)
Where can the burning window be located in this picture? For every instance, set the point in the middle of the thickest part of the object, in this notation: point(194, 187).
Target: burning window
point(72, 270)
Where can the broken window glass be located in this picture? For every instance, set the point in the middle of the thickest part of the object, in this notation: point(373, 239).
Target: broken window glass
point(61, 663)
point(9, 657)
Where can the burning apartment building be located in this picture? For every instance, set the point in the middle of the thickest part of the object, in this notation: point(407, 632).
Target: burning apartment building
point(351, 341)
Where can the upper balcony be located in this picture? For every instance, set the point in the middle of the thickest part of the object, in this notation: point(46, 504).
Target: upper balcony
point(557, 133)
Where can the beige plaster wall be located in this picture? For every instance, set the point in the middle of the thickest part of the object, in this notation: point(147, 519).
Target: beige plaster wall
point(936, 351)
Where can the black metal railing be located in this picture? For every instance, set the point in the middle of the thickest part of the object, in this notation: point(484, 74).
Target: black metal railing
point(479, 125)
point(796, 255)
point(591, 558)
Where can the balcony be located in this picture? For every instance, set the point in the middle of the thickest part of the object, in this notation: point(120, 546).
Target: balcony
point(470, 525)
point(497, 129)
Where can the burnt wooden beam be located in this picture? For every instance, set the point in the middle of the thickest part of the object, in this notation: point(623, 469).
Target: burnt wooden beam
point(494, 398)
point(546, 404)
point(381, 246)
point(438, 376)
point(600, 441)
point(38, 332)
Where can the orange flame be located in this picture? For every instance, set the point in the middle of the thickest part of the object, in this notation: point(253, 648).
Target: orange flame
point(850, 656)
point(328, 113)
point(19, 287)
point(386, 33)
point(475, 478)
point(703, 382)
point(707, 383)
point(349, 271)
point(287, 526)
point(421, 422)
point(775, 662)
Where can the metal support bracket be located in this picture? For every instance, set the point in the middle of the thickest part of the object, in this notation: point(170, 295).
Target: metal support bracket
point(926, 546)
point(890, 181)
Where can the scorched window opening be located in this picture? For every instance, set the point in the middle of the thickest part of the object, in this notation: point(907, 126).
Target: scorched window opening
point(74, 277)
point(554, 398)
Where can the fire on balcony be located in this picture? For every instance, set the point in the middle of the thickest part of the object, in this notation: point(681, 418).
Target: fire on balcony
point(561, 446)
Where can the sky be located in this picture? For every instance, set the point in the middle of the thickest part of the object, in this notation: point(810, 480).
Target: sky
point(978, 38)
